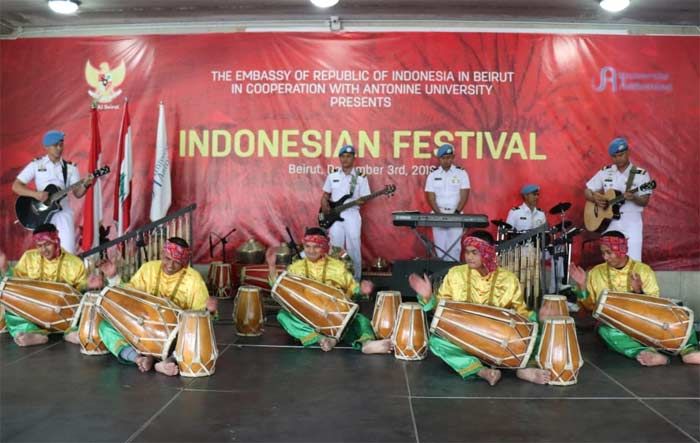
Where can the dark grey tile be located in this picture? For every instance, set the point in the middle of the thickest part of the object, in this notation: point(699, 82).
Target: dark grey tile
point(62, 395)
point(555, 420)
point(10, 352)
point(296, 414)
point(684, 413)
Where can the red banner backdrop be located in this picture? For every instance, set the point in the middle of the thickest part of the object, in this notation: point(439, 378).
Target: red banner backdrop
point(255, 120)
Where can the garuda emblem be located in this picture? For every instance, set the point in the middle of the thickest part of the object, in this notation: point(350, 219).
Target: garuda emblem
point(104, 81)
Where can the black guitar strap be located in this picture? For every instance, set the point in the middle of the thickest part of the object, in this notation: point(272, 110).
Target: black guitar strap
point(353, 182)
point(64, 167)
point(630, 178)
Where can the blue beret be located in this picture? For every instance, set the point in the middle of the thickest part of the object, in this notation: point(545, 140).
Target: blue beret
point(52, 137)
point(347, 149)
point(618, 145)
point(445, 149)
point(529, 188)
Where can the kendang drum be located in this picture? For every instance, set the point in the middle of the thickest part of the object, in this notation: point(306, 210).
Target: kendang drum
point(248, 312)
point(147, 322)
point(385, 310)
point(210, 275)
point(195, 350)
point(555, 305)
point(89, 320)
point(653, 321)
point(49, 305)
point(559, 351)
point(3, 323)
point(499, 337)
point(410, 337)
point(221, 280)
point(321, 306)
point(258, 275)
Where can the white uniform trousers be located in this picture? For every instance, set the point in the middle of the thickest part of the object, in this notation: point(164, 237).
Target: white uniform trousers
point(63, 220)
point(347, 234)
point(443, 239)
point(630, 224)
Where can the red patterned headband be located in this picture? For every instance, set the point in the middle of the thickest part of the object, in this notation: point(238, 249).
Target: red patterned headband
point(616, 244)
point(487, 251)
point(177, 253)
point(317, 239)
point(46, 236)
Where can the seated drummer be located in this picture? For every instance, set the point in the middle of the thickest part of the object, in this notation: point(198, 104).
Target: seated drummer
point(317, 265)
point(170, 278)
point(621, 273)
point(49, 262)
point(479, 281)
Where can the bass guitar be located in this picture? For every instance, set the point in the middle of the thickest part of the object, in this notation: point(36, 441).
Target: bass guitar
point(597, 219)
point(32, 212)
point(326, 220)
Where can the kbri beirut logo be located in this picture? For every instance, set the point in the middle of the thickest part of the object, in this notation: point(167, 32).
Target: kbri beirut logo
point(105, 81)
point(633, 81)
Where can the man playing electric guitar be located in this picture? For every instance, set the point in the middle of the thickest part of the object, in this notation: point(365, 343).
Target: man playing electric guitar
point(622, 176)
point(51, 169)
point(343, 181)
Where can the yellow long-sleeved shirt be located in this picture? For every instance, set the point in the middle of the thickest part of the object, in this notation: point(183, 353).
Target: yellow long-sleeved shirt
point(467, 285)
point(185, 288)
point(329, 271)
point(66, 268)
point(603, 277)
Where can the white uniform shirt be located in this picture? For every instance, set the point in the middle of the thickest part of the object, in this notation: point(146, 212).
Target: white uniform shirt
point(446, 186)
point(44, 172)
point(610, 178)
point(521, 218)
point(338, 185)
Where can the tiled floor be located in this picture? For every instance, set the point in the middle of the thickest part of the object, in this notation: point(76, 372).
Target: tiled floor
point(268, 389)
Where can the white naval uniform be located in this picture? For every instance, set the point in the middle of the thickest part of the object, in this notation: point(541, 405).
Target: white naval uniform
point(521, 218)
point(446, 185)
point(347, 233)
point(44, 172)
point(630, 222)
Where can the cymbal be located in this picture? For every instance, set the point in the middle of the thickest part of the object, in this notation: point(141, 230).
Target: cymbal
point(502, 224)
point(560, 207)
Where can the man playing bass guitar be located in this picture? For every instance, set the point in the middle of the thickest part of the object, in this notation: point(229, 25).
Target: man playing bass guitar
point(622, 176)
point(345, 180)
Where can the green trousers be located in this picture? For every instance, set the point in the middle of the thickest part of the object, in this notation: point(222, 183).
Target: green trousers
point(17, 325)
point(466, 365)
point(357, 332)
point(113, 340)
point(623, 344)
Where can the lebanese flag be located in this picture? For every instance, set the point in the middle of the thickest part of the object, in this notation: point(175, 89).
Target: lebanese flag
point(92, 212)
point(122, 192)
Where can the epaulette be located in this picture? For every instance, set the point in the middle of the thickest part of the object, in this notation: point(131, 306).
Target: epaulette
point(539, 209)
point(459, 167)
point(606, 167)
point(362, 174)
point(641, 171)
point(68, 162)
point(38, 158)
point(515, 208)
point(336, 169)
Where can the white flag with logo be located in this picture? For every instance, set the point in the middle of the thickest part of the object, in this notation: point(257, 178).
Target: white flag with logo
point(161, 196)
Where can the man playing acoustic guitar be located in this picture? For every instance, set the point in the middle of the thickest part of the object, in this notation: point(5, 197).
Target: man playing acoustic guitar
point(51, 169)
point(622, 176)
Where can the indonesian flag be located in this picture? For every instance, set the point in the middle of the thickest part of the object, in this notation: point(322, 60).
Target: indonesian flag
point(92, 212)
point(161, 196)
point(122, 192)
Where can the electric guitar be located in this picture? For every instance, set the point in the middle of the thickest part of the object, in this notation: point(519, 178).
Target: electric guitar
point(326, 220)
point(32, 212)
point(597, 219)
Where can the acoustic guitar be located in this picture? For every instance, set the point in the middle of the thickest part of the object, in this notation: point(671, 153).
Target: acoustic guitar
point(597, 219)
point(326, 220)
point(32, 212)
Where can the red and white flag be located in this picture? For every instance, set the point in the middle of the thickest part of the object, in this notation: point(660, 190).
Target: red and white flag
point(122, 192)
point(92, 211)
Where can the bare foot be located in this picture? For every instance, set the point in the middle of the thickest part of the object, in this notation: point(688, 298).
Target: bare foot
point(649, 358)
point(31, 339)
point(377, 346)
point(692, 358)
point(490, 375)
point(534, 375)
point(72, 337)
point(167, 367)
point(327, 343)
point(145, 362)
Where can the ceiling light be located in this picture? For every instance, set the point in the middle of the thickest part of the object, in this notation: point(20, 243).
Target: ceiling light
point(64, 6)
point(324, 3)
point(614, 5)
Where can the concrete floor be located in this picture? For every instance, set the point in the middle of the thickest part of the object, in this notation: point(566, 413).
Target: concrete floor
point(269, 389)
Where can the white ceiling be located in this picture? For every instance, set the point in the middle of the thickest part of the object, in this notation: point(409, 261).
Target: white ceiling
point(28, 18)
